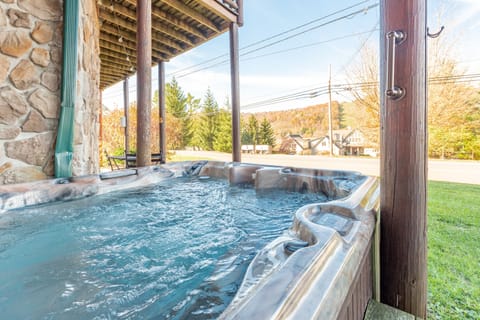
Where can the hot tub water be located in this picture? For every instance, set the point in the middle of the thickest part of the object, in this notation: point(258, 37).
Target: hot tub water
point(176, 250)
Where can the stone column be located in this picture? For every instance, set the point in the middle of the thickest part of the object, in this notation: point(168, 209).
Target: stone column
point(30, 67)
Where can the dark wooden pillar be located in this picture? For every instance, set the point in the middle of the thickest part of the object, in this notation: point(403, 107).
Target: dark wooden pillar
point(100, 130)
point(403, 168)
point(126, 104)
point(161, 110)
point(235, 83)
point(144, 81)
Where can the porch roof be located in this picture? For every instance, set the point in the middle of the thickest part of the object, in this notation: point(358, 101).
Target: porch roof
point(177, 26)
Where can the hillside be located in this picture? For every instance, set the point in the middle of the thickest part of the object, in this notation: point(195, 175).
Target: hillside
point(311, 121)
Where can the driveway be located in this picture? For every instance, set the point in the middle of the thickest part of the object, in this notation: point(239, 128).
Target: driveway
point(438, 170)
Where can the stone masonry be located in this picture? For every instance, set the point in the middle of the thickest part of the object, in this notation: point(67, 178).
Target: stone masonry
point(31, 34)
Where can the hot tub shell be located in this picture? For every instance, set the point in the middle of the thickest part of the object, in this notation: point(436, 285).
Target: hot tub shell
point(324, 267)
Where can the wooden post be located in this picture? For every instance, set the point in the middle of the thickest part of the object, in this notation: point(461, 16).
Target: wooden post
point(161, 111)
point(144, 81)
point(403, 165)
point(126, 104)
point(330, 126)
point(100, 131)
point(235, 83)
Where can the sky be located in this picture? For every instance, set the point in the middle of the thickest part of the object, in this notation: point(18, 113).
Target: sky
point(332, 36)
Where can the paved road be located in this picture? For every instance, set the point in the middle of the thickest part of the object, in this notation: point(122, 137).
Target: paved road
point(438, 170)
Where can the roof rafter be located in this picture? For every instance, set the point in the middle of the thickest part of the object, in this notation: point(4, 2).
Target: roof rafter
point(111, 18)
point(171, 19)
point(128, 13)
point(192, 14)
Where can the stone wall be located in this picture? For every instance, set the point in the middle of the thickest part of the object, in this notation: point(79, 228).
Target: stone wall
point(31, 34)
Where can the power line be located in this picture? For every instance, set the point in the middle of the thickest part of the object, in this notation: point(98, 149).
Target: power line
point(270, 37)
point(307, 45)
point(281, 40)
point(319, 91)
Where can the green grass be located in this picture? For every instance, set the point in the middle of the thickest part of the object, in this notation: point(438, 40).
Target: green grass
point(453, 251)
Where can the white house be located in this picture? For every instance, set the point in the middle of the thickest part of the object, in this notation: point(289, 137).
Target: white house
point(345, 142)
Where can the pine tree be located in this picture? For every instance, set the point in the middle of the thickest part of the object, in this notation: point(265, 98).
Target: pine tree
point(266, 135)
point(245, 137)
point(175, 99)
point(208, 122)
point(253, 129)
point(176, 106)
point(223, 140)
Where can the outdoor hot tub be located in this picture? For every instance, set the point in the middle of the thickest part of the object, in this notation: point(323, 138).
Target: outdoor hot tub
point(190, 240)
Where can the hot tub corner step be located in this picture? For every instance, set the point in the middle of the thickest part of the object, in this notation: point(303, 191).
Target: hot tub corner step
point(380, 311)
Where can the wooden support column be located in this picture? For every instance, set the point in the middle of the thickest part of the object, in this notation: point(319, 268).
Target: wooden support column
point(144, 81)
point(100, 129)
point(235, 84)
point(161, 111)
point(403, 168)
point(126, 104)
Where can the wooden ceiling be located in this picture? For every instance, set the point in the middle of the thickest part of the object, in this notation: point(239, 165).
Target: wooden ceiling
point(177, 26)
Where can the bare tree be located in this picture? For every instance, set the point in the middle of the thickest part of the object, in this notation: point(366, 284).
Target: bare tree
point(453, 104)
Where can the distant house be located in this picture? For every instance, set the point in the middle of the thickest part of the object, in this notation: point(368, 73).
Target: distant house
point(355, 143)
point(345, 142)
point(322, 146)
point(311, 145)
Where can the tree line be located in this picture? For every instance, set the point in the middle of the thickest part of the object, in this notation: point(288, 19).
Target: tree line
point(191, 122)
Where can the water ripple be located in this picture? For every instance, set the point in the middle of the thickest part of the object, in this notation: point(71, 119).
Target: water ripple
point(174, 251)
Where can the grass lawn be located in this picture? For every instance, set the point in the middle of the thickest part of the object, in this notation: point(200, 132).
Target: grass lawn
point(453, 251)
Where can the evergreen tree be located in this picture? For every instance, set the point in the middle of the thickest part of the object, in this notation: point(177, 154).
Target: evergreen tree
point(176, 104)
point(245, 137)
point(223, 140)
point(266, 135)
point(208, 122)
point(175, 99)
point(253, 129)
point(193, 108)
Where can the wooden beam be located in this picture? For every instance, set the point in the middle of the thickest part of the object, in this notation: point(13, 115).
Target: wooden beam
point(131, 26)
point(162, 112)
point(219, 10)
point(115, 66)
point(127, 46)
point(121, 11)
point(116, 72)
point(108, 29)
point(113, 57)
point(192, 14)
point(144, 81)
point(235, 87)
point(117, 48)
point(114, 75)
point(171, 19)
point(126, 105)
point(403, 162)
point(104, 46)
point(108, 77)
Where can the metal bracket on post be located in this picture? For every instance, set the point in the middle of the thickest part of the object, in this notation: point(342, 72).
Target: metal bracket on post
point(394, 38)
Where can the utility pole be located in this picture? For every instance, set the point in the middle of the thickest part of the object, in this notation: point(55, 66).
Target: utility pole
point(330, 129)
